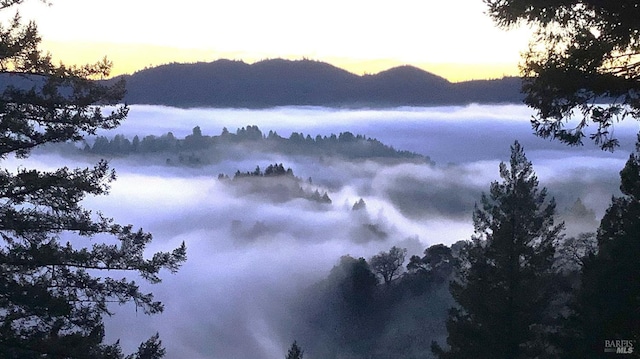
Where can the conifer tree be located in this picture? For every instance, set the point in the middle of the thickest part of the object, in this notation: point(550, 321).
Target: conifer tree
point(61, 265)
point(506, 280)
point(295, 352)
point(607, 305)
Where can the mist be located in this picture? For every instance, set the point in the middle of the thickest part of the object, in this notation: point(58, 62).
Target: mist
point(250, 255)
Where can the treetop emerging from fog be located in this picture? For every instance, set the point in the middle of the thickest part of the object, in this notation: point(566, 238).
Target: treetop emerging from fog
point(582, 67)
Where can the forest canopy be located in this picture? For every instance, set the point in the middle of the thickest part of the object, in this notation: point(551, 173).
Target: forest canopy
point(197, 149)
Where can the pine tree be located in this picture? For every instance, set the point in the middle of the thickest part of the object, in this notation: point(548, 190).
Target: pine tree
point(295, 352)
point(607, 305)
point(506, 278)
point(54, 292)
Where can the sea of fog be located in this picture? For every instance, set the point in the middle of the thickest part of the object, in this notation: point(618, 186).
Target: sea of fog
point(248, 257)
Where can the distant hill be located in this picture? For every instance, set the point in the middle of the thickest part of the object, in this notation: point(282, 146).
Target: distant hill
point(278, 82)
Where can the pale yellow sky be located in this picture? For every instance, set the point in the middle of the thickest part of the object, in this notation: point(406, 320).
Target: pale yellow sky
point(452, 38)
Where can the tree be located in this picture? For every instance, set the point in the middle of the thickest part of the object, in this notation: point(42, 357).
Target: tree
point(360, 204)
point(573, 251)
point(357, 284)
point(437, 264)
point(151, 349)
point(506, 280)
point(195, 141)
point(56, 287)
point(340, 311)
point(295, 352)
point(388, 265)
point(607, 302)
point(584, 53)
point(135, 143)
point(433, 270)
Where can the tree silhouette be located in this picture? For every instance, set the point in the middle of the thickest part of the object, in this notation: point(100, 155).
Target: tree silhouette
point(54, 292)
point(606, 305)
point(295, 352)
point(584, 54)
point(151, 349)
point(360, 204)
point(506, 280)
point(437, 263)
point(388, 265)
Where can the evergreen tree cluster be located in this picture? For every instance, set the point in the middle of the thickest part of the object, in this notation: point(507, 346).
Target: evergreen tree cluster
point(273, 170)
point(378, 308)
point(515, 295)
point(518, 289)
point(344, 145)
point(508, 281)
point(511, 296)
point(607, 305)
point(276, 183)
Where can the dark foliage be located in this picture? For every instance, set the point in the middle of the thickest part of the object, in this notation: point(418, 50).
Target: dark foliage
point(607, 302)
point(351, 314)
point(359, 205)
point(275, 183)
point(58, 260)
point(437, 264)
point(507, 282)
point(196, 149)
point(295, 352)
point(584, 54)
point(388, 265)
point(273, 170)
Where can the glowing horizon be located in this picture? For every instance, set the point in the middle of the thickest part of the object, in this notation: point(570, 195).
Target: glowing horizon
point(128, 59)
point(455, 40)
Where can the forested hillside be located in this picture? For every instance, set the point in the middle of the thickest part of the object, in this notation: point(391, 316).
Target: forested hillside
point(198, 149)
point(225, 83)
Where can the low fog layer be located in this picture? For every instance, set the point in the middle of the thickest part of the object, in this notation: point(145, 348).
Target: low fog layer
point(483, 129)
point(249, 256)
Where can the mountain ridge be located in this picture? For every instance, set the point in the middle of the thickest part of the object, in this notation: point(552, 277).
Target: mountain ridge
point(280, 82)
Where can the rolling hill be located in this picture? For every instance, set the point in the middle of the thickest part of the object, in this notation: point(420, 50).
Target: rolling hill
point(278, 82)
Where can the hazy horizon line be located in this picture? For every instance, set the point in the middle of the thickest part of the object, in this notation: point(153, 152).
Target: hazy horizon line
point(304, 58)
point(128, 59)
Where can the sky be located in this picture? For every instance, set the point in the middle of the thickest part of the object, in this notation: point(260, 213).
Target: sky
point(454, 39)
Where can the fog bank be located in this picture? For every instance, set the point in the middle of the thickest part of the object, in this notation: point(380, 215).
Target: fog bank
point(249, 255)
